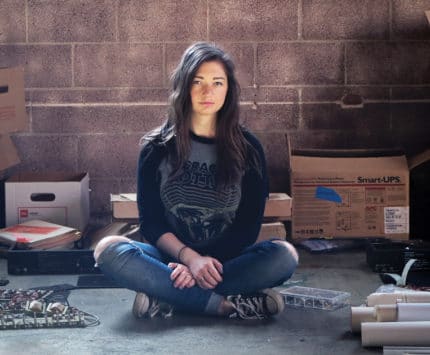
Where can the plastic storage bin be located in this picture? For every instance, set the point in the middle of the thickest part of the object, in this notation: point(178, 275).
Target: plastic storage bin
point(308, 297)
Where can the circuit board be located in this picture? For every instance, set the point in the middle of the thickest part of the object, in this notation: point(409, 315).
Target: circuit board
point(23, 309)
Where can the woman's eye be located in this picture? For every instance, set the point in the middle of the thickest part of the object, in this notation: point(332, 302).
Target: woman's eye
point(219, 83)
point(196, 82)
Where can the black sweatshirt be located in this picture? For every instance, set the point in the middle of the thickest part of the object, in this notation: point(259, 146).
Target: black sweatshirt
point(215, 222)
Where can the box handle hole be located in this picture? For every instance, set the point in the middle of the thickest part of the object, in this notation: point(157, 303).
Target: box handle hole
point(4, 89)
point(42, 197)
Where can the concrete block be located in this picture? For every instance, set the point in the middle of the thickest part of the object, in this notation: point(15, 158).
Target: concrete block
point(248, 94)
point(342, 139)
point(409, 20)
point(248, 115)
point(277, 94)
point(118, 65)
point(271, 117)
point(318, 139)
point(299, 63)
point(332, 117)
point(243, 58)
point(128, 185)
point(410, 93)
point(12, 21)
point(113, 155)
point(350, 19)
point(101, 188)
point(332, 94)
point(269, 94)
point(241, 53)
point(370, 139)
point(174, 53)
point(411, 126)
point(42, 153)
point(275, 149)
point(71, 21)
point(410, 118)
point(253, 20)
point(96, 120)
point(91, 95)
point(388, 63)
point(162, 20)
point(44, 65)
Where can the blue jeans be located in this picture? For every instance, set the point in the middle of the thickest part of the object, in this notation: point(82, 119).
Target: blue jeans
point(143, 268)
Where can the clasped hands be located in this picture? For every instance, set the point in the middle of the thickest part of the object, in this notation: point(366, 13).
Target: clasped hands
point(204, 271)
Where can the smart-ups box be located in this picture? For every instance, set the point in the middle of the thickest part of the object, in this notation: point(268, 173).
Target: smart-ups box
point(352, 193)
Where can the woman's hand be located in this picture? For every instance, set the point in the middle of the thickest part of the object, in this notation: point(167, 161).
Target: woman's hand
point(206, 271)
point(181, 276)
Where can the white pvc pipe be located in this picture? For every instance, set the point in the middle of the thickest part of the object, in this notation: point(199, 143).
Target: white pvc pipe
point(397, 297)
point(413, 312)
point(395, 333)
point(360, 315)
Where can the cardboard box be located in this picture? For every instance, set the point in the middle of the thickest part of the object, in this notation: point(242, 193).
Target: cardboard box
point(13, 117)
point(9, 156)
point(58, 198)
point(124, 206)
point(349, 194)
point(272, 230)
point(278, 206)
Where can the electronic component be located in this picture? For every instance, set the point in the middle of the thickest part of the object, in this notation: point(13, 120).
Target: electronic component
point(22, 309)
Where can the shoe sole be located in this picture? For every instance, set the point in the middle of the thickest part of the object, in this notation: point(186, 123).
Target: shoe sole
point(277, 298)
point(141, 301)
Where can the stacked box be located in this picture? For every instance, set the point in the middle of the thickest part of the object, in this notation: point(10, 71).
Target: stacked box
point(349, 196)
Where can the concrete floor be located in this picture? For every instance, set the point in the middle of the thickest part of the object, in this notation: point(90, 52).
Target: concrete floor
point(296, 331)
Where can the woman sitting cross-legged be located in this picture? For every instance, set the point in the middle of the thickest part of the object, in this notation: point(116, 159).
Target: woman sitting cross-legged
point(201, 192)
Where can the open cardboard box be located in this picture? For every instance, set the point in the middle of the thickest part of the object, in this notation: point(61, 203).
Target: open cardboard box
point(59, 198)
point(13, 117)
point(124, 206)
point(278, 208)
point(351, 193)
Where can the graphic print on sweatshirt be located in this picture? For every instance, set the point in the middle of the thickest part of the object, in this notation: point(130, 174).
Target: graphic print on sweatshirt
point(197, 211)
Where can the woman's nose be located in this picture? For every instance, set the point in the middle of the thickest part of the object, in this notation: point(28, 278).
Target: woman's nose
point(206, 89)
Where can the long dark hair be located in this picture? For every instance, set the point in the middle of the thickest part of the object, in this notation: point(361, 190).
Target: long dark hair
point(233, 150)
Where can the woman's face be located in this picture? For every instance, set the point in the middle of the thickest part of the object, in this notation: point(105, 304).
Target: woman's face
point(208, 89)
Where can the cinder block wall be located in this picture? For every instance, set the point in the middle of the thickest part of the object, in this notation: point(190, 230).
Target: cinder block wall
point(97, 76)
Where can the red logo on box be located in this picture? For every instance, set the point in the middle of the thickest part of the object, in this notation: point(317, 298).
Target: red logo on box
point(23, 213)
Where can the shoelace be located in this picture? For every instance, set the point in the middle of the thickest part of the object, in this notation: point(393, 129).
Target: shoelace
point(166, 311)
point(154, 309)
point(248, 307)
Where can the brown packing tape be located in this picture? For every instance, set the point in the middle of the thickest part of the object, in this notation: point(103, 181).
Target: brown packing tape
point(386, 313)
point(9, 155)
point(13, 116)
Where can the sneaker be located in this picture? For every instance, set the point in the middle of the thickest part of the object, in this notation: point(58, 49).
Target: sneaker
point(260, 305)
point(149, 307)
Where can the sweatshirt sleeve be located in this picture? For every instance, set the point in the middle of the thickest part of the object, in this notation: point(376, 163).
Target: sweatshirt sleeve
point(246, 226)
point(152, 219)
